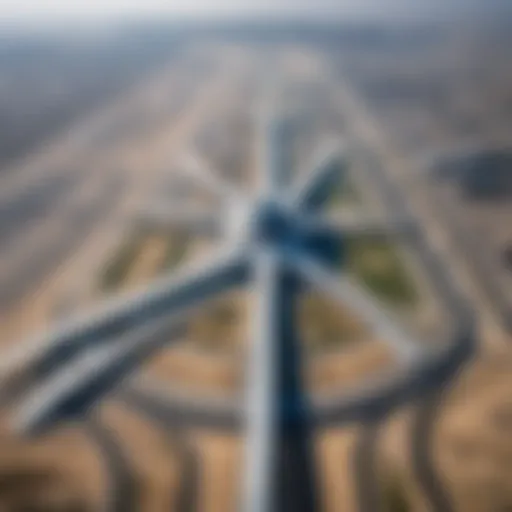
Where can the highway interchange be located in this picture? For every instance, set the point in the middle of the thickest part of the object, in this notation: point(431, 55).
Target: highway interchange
point(112, 196)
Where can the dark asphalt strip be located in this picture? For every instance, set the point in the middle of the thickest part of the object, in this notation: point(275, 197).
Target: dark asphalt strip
point(364, 463)
point(421, 453)
point(187, 499)
point(123, 490)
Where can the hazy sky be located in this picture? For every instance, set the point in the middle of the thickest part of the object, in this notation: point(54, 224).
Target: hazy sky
point(85, 9)
point(188, 7)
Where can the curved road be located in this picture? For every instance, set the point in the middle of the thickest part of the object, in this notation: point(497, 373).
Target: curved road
point(186, 500)
point(180, 411)
point(364, 461)
point(380, 174)
point(122, 495)
point(421, 450)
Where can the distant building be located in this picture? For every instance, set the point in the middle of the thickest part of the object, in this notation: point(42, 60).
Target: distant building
point(482, 174)
point(507, 257)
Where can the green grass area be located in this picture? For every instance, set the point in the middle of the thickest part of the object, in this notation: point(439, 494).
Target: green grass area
point(116, 270)
point(176, 251)
point(394, 495)
point(220, 326)
point(324, 324)
point(343, 191)
point(376, 263)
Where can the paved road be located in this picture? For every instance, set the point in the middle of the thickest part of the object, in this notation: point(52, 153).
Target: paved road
point(424, 467)
point(364, 463)
point(387, 180)
point(20, 211)
point(448, 290)
point(81, 140)
point(177, 410)
point(75, 226)
point(483, 268)
point(188, 494)
point(36, 245)
point(366, 128)
point(122, 491)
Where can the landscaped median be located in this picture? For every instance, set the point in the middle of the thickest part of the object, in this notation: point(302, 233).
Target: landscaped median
point(143, 255)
